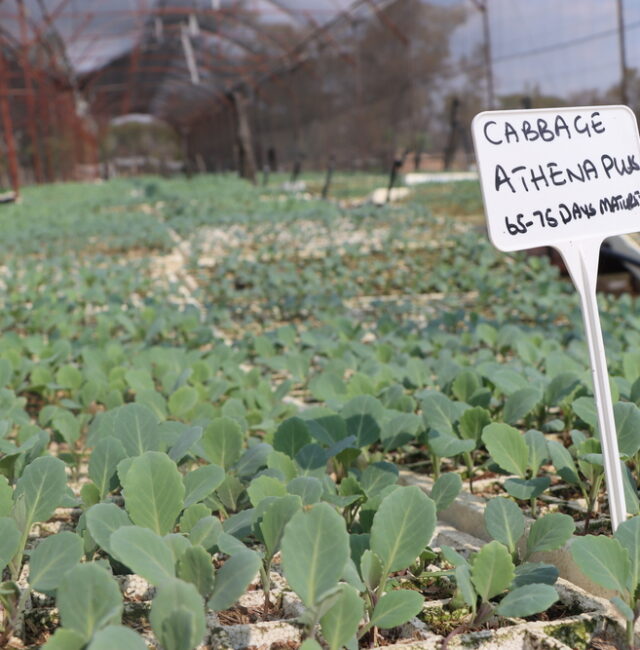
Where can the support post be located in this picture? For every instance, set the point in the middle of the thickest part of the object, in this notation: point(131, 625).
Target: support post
point(624, 90)
point(247, 159)
point(7, 126)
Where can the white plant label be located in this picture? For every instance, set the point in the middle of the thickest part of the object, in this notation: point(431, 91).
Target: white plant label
point(567, 178)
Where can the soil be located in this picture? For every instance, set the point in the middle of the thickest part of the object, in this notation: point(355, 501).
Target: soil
point(557, 611)
point(240, 615)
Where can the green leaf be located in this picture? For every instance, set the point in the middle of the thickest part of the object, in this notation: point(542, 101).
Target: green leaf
point(291, 436)
point(89, 599)
point(563, 462)
point(153, 492)
point(585, 409)
point(310, 644)
point(628, 534)
point(9, 540)
point(315, 551)
point(371, 569)
point(603, 560)
point(116, 636)
point(535, 572)
point(466, 383)
point(276, 460)
point(363, 416)
point(103, 519)
point(6, 497)
point(402, 527)
point(308, 488)
point(445, 490)
point(525, 489)
point(561, 386)
point(437, 413)
point(473, 421)
point(182, 401)
point(184, 443)
point(538, 452)
point(465, 585)
point(446, 445)
point(177, 544)
point(64, 639)
point(206, 532)
point(195, 566)
point(396, 608)
point(103, 463)
point(378, 476)
point(136, 427)
point(623, 608)
point(627, 416)
point(492, 570)
point(341, 622)
point(222, 442)
point(41, 487)
point(233, 579)
point(201, 482)
point(263, 487)
point(520, 403)
point(550, 532)
point(275, 518)
point(504, 521)
point(507, 448)
point(184, 631)
point(52, 558)
point(191, 516)
point(144, 552)
point(527, 600)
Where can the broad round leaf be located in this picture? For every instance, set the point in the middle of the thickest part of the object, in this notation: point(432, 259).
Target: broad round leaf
point(6, 497)
point(363, 415)
point(527, 600)
point(274, 520)
point(195, 566)
point(308, 488)
point(173, 597)
point(136, 427)
point(520, 403)
point(41, 487)
point(144, 552)
point(9, 540)
point(492, 570)
point(88, 599)
point(627, 417)
point(340, 624)
point(117, 636)
point(504, 521)
point(52, 558)
point(233, 578)
point(507, 448)
point(64, 639)
point(628, 534)
point(396, 608)
point(201, 482)
point(445, 490)
point(550, 532)
point(153, 492)
point(291, 436)
point(103, 520)
point(222, 442)
point(103, 463)
point(315, 551)
point(402, 527)
point(603, 560)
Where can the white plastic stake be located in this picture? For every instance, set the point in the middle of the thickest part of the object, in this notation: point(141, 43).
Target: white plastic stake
point(567, 178)
point(581, 260)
